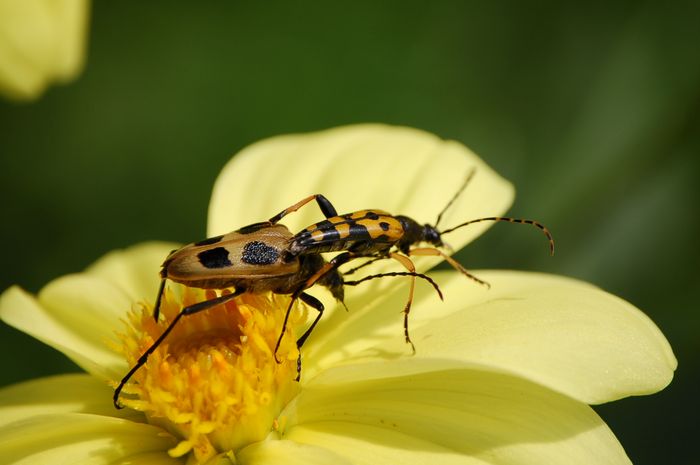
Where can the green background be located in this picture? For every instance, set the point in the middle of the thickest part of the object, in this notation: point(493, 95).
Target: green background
point(591, 109)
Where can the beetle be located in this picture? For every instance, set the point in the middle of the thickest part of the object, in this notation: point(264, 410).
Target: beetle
point(380, 235)
point(250, 259)
point(253, 259)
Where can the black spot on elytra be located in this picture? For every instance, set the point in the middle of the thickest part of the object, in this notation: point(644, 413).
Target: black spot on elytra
point(372, 216)
point(384, 225)
point(259, 253)
point(214, 258)
point(209, 241)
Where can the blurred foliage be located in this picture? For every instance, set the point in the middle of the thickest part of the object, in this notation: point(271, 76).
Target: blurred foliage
point(592, 109)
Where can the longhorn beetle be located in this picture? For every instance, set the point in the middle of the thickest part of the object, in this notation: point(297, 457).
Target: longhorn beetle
point(252, 259)
point(381, 235)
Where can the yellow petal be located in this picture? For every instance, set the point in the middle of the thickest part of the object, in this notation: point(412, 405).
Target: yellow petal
point(134, 269)
point(494, 417)
point(398, 169)
point(372, 326)
point(70, 19)
point(76, 315)
point(85, 439)
point(40, 41)
point(74, 393)
point(371, 445)
point(274, 452)
point(559, 332)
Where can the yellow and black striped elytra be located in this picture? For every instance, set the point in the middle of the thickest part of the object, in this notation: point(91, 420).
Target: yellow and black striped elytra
point(377, 235)
point(373, 233)
point(253, 259)
point(364, 231)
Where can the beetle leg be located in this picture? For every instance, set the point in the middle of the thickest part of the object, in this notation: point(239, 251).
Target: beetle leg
point(310, 300)
point(320, 273)
point(161, 289)
point(189, 310)
point(300, 294)
point(423, 251)
point(324, 204)
point(159, 298)
point(295, 296)
point(408, 264)
point(327, 267)
point(318, 306)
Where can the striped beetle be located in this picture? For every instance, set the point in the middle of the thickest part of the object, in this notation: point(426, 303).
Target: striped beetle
point(253, 259)
point(380, 235)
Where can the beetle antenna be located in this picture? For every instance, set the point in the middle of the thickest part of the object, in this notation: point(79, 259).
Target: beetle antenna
point(537, 224)
point(469, 177)
point(397, 273)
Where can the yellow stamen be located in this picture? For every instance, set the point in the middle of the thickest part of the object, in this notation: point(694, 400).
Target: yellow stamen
point(214, 381)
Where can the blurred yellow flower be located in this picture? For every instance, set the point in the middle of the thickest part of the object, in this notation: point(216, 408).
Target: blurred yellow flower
point(41, 42)
point(501, 375)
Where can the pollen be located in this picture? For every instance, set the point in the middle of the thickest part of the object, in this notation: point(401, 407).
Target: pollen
point(214, 382)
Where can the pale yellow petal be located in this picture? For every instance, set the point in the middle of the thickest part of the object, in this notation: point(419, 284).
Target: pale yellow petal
point(134, 269)
point(376, 445)
point(372, 326)
point(398, 169)
point(559, 332)
point(70, 20)
point(84, 439)
point(273, 452)
point(494, 417)
point(41, 41)
point(76, 315)
point(74, 393)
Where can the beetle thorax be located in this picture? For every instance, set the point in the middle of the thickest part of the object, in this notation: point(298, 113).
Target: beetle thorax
point(415, 233)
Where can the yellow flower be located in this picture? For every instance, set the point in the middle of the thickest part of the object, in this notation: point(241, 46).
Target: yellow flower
point(41, 42)
point(501, 375)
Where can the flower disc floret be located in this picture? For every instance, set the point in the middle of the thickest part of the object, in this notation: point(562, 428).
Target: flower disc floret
point(214, 382)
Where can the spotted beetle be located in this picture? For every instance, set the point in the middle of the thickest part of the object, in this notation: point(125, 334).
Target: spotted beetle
point(253, 259)
point(379, 235)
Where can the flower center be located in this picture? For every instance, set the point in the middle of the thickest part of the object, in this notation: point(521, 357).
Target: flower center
point(214, 381)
